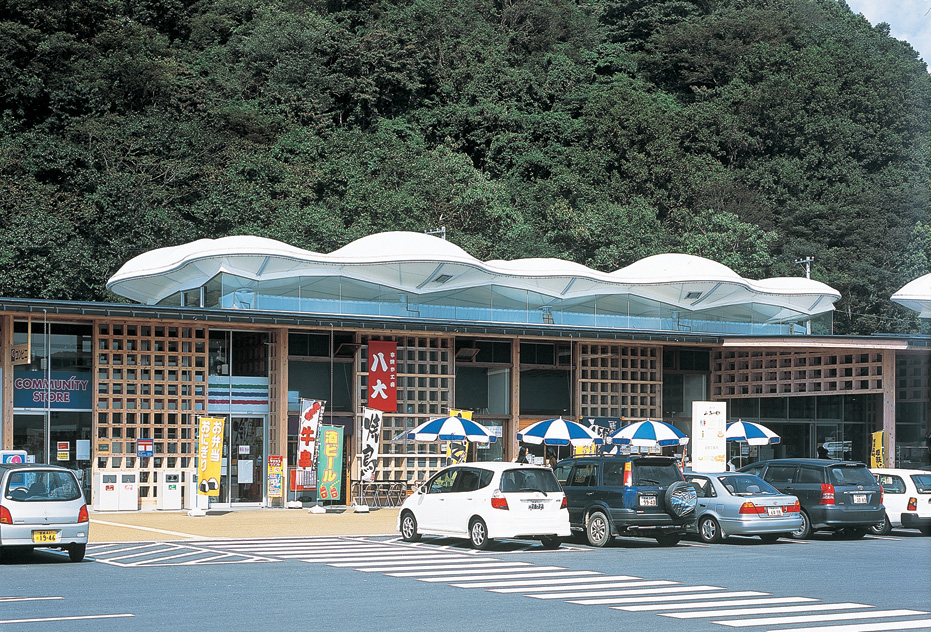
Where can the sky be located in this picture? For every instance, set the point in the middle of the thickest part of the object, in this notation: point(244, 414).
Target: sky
point(908, 20)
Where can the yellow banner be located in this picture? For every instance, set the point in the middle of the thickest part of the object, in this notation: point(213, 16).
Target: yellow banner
point(464, 414)
point(210, 455)
point(877, 453)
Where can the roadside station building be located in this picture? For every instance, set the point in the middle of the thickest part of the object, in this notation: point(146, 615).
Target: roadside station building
point(244, 327)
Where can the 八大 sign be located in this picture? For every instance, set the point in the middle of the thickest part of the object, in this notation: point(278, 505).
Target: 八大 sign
point(36, 389)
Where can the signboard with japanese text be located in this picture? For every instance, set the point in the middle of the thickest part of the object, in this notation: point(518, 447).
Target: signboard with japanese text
point(275, 475)
point(709, 445)
point(330, 463)
point(371, 432)
point(311, 416)
point(383, 372)
point(145, 448)
point(209, 455)
point(877, 451)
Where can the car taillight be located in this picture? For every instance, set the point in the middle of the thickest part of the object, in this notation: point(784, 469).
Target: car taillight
point(82, 515)
point(628, 475)
point(827, 494)
point(498, 501)
point(564, 504)
point(5, 517)
point(750, 508)
point(792, 508)
point(913, 504)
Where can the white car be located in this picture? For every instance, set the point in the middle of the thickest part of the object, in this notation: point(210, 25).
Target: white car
point(907, 498)
point(484, 501)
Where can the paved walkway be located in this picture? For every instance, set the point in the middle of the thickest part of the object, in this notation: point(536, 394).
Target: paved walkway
point(145, 526)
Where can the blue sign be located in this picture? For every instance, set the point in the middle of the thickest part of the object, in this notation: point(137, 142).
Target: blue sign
point(145, 448)
point(58, 389)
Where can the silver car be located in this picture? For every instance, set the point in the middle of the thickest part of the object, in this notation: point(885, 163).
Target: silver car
point(734, 503)
point(42, 506)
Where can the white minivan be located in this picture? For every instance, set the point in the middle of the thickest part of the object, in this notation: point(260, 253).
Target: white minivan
point(907, 498)
point(484, 501)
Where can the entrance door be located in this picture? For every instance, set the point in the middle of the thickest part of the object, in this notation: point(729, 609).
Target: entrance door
point(243, 477)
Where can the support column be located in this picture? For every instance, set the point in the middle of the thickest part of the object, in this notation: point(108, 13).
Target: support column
point(888, 407)
point(6, 386)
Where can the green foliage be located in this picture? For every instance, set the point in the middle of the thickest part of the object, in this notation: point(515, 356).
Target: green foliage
point(751, 132)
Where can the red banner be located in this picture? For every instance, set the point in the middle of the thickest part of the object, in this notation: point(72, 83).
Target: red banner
point(383, 372)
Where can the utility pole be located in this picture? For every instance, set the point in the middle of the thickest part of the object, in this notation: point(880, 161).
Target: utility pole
point(441, 232)
point(807, 261)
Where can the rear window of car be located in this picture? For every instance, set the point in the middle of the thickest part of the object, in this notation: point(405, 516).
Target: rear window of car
point(653, 473)
point(525, 480)
point(922, 483)
point(747, 486)
point(841, 475)
point(42, 485)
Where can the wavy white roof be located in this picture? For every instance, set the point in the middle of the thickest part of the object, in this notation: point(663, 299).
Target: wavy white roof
point(423, 264)
point(916, 295)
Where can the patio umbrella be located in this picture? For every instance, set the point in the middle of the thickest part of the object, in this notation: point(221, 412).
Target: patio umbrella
point(748, 432)
point(649, 434)
point(558, 432)
point(452, 429)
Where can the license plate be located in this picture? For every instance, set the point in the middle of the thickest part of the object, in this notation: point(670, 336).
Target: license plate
point(532, 506)
point(774, 511)
point(859, 499)
point(44, 536)
point(648, 501)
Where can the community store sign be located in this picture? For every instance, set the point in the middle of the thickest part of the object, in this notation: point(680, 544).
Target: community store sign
point(37, 389)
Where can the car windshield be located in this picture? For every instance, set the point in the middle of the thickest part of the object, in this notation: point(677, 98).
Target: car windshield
point(922, 483)
point(526, 480)
point(841, 475)
point(41, 485)
point(653, 473)
point(747, 486)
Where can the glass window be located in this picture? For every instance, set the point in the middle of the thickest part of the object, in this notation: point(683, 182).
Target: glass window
point(545, 392)
point(810, 475)
point(525, 479)
point(703, 486)
point(852, 476)
point(781, 474)
point(584, 475)
point(922, 483)
point(613, 475)
point(42, 485)
point(891, 484)
point(652, 473)
point(443, 482)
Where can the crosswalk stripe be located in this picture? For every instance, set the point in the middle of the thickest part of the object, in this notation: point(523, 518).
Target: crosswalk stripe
point(502, 565)
point(650, 591)
point(815, 618)
point(535, 582)
point(324, 559)
point(917, 624)
point(392, 564)
point(549, 587)
point(503, 576)
point(715, 604)
point(764, 610)
point(6, 599)
point(684, 596)
point(474, 565)
point(586, 591)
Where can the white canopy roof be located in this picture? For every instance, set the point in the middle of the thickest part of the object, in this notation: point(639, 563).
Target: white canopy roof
point(423, 264)
point(916, 295)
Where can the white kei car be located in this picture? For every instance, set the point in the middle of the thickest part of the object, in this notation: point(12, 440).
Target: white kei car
point(484, 501)
point(907, 498)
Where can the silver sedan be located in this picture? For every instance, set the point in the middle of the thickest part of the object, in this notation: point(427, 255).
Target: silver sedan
point(735, 503)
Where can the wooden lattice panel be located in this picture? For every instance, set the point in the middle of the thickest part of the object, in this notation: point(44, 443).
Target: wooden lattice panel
point(620, 381)
point(151, 384)
point(913, 377)
point(761, 372)
point(425, 389)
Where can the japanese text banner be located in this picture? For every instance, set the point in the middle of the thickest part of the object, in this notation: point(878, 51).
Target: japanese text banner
point(311, 415)
point(209, 455)
point(330, 463)
point(383, 372)
point(371, 431)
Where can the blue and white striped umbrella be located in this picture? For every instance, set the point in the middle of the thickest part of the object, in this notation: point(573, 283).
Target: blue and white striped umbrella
point(748, 432)
point(452, 429)
point(649, 434)
point(558, 432)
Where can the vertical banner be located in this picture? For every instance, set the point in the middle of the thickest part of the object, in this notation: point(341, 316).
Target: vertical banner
point(311, 415)
point(383, 372)
point(709, 445)
point(209, 455)
point(330, 463)
point(371, 432)
point(877, 453)
point(275, 475)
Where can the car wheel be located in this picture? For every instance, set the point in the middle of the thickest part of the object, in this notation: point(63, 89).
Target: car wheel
point(409, 527)
point(882, 528)
point(770, 538)
point(551, 543)
point(803, 531)
point(668, 539)
point(709, 530)
point(598, 529)
point(681, 499)
point(478, 534)
point(76, 552)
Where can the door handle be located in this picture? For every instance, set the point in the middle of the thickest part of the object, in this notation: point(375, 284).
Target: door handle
point(589, 493)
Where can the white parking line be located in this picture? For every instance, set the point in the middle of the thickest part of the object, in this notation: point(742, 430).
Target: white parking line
point(81, 618)
point(654, 591)
point(816, 618)
point(150, 529)
point(5, 599)
point(454, 564)
point(765, 610)
point(917, 624)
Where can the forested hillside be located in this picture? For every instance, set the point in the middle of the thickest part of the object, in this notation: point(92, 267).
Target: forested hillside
point(751, 132)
